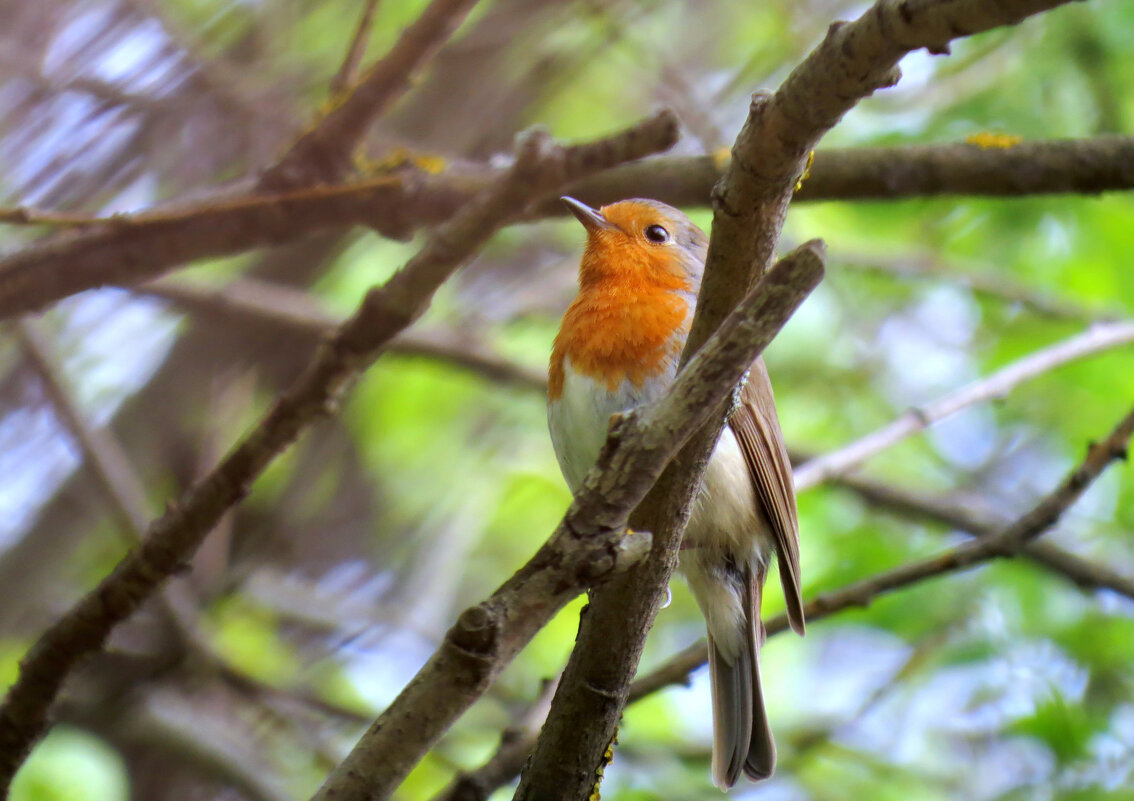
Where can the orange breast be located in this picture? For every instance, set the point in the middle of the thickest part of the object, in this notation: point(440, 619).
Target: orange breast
point(615, 331)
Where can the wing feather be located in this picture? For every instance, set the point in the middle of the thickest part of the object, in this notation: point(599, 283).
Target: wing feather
point(757, 429)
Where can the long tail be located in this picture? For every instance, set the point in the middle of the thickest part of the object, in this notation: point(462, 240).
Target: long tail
point(742, 739)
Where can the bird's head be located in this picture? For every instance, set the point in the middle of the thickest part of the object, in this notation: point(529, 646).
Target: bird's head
point(640, 241)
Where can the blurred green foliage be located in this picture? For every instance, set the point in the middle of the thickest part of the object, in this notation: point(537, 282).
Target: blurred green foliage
point(70, 764)
point(1005, 682)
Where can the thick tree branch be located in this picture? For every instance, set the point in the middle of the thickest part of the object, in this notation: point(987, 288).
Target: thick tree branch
point(136, 247)
point(1027, 168)
point(1095, 339)
point(749, 206)
point(172, 539)
point(132, 248)
point(1080, 166)
point(854, 60)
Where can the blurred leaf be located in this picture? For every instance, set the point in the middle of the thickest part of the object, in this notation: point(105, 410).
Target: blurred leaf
point(70, 764)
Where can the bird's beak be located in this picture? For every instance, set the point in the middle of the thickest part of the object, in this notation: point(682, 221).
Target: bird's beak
point(591, 219)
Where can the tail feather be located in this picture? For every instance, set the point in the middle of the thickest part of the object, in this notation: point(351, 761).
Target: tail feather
point(761, 758)
point(732, 717)
point(742, 738)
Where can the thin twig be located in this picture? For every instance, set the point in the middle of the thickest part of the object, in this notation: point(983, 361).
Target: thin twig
point(24, 63)
point(654, 65)
point(299, 311)
point(115, 475)
point(504, 765)
point(222, 749)
point(1095, 339)
point(1083, 573)
point(270, 695)
point(172, 539)
point(345, 76)
point(324, 153)
point(22, 215)
point(107, 460)
point(124, 489)
point(224, 80)
point(924, 266)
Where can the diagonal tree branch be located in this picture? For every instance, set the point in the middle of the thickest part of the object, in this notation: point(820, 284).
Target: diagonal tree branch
point(749, 206)
point(118, 480)
point(172, 539)
point(297, 310)
point(1083, 573)
point(1095, 339)
point(357, 49)
point(126, 494)
point(222, 225)
point(853, 61)
point(108, 461)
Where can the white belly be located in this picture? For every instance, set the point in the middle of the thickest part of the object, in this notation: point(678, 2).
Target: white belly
point(725, 525)
point(579, 420)
point(724, 517)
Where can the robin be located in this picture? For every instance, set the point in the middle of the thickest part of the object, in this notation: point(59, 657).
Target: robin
point(618, 347)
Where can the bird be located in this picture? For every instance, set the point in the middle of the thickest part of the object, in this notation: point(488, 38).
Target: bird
point(617, 348)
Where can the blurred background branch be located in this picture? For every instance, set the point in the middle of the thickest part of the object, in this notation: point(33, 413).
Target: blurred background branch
point(128, 248)
point(976, 212)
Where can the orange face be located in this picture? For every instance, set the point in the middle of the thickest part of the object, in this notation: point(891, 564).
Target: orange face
point(637, 282)
point(640, 241)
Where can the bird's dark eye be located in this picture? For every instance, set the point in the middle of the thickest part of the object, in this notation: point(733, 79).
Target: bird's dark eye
point(655, 233)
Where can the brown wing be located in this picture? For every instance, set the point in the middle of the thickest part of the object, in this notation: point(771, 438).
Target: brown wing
point(757, 429)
